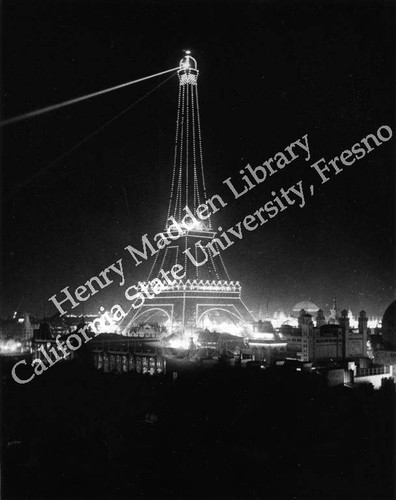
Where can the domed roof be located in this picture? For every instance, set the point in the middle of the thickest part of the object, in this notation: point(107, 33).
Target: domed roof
point(389, 326)
point(309, 307)
point(267, 326)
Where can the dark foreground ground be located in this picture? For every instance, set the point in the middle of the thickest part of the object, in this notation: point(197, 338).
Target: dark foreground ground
point(75, 433)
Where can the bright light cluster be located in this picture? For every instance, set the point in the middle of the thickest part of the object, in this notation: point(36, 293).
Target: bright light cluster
point(179, 343)
point(10, 346)
point(280, 319)
point(374, 323)
point(222, 326)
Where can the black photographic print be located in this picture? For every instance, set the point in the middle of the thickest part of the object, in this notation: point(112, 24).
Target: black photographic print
point(198, 250)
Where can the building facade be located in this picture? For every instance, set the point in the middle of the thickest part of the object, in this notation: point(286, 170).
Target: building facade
point(326, 340)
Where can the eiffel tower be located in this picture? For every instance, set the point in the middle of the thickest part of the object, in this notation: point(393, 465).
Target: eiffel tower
point(206, 296)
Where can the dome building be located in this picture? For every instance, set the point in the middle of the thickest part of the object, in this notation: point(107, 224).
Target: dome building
point(386, 353)
point(389, 326)
point(308, 307)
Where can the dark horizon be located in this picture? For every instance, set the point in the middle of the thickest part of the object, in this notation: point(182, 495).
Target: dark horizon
point(296, 70)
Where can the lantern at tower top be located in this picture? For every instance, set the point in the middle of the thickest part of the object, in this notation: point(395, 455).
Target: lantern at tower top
point(188, 72)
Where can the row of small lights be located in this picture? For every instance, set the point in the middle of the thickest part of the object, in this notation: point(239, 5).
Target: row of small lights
point(188, 284)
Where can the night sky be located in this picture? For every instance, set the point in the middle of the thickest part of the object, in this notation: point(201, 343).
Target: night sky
point(269, 74)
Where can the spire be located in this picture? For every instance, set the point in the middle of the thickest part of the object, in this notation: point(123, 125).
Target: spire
point(334, 314)
point(188, 177)
point(188, 192)
point(334, 309)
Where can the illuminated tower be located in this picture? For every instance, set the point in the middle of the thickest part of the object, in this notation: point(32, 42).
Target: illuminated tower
point(206, 296)
point(334, 315)
point(188, 188)
point(344, 323)
point(362, 322)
